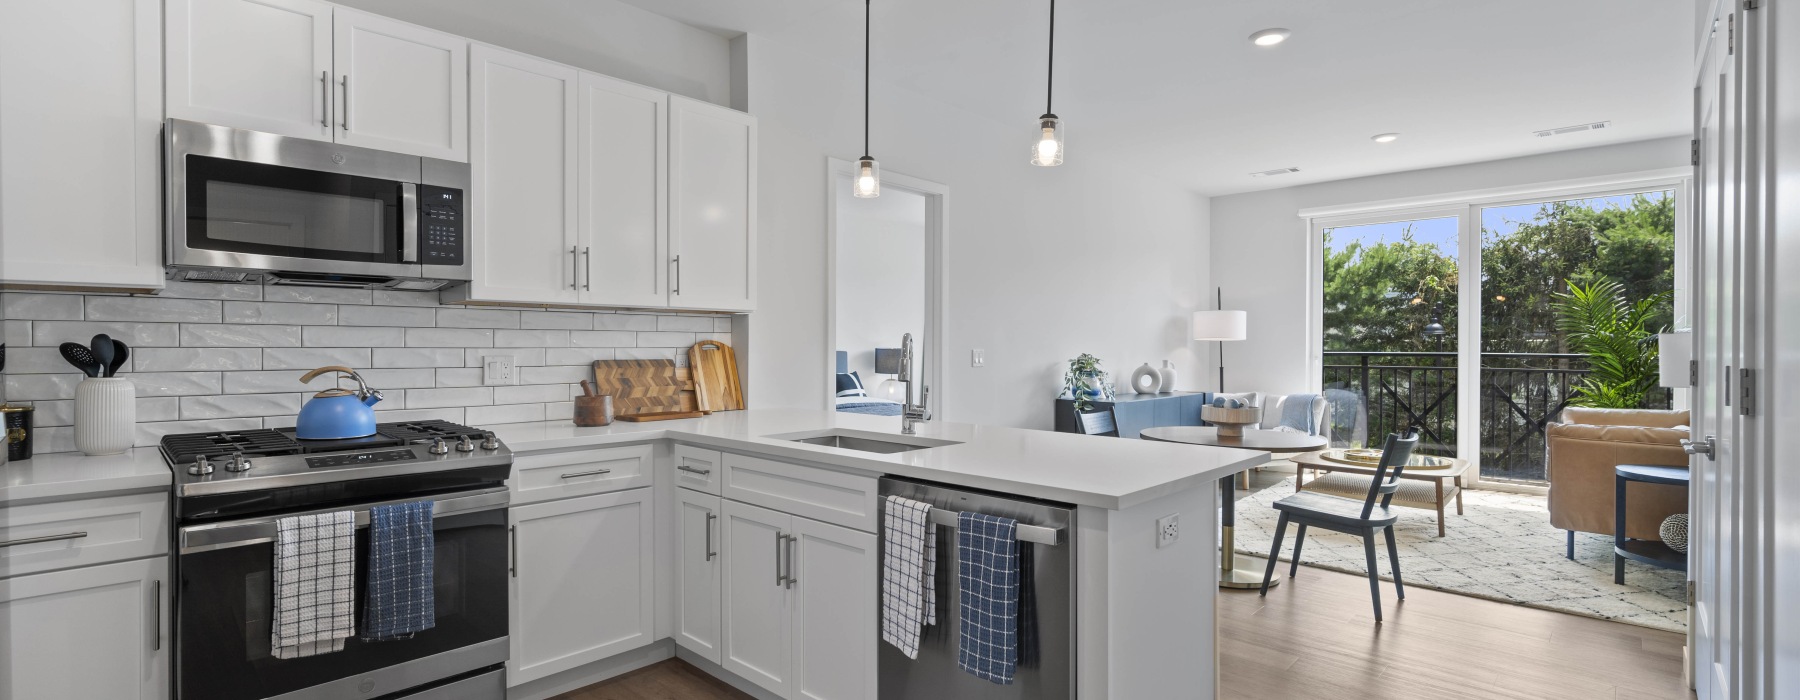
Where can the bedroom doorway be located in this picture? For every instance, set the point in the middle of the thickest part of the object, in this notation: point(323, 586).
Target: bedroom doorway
point(885, 260)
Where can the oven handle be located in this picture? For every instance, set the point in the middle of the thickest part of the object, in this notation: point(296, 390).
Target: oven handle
point(409, 222)
point(240, 533)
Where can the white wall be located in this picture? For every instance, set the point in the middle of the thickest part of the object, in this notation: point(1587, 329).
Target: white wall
point(880, 274)
point(1045, 263)
point(1260, 244)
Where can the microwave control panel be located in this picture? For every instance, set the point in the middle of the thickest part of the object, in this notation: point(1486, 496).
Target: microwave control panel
point(440, 225)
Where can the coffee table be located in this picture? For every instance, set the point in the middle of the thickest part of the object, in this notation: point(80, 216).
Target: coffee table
point(1276, 441)
point(1650, 552)
point(1352, 481)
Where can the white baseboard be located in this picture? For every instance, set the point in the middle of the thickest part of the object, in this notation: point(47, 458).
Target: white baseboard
point(583, 676)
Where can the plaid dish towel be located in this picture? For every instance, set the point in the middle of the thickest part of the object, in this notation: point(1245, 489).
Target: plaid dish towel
point(908, 573)
point(987, 563)
point(400, 599)
point(315, 584)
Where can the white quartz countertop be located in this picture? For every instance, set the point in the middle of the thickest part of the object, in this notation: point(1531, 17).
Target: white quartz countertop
point(1080, 469)
point(75, 475)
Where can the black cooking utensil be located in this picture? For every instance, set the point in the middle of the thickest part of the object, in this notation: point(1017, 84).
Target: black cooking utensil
point(121, 353)
point(83, 359)
point(102, 348)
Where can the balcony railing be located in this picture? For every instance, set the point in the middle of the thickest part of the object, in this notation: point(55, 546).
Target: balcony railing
point(1376, 393)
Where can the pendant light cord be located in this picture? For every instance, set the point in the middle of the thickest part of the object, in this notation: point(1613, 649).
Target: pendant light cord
point(866, 35)
point(1050, 78)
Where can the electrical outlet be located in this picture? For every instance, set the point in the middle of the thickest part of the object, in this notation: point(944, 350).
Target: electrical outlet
point(499, 370)
point(1168, 529)
point(978, 358)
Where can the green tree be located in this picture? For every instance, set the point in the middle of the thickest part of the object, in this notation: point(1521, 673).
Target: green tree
point(1381, 296)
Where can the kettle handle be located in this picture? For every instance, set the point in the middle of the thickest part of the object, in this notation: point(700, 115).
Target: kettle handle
point(334, 368)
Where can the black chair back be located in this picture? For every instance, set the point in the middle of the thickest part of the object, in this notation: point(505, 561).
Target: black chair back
point(1098, 423)
point(1395, 453)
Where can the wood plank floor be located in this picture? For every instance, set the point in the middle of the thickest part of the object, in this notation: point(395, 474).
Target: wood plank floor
point(1314, 637)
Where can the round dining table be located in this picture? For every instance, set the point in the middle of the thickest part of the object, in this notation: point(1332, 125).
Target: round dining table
point(1273, 441)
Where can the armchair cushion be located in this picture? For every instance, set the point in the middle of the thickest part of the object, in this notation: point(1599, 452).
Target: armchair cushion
point(1580, 461)
point(1303, 412)
point(1625, 416)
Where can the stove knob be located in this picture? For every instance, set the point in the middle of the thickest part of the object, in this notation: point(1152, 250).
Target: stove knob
point(202, 466)
point(465, 444)
point(490, 443)
point(238, 463)
point(438, 447)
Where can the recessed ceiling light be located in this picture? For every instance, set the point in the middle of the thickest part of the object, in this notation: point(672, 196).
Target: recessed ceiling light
point(1269, 37)
point(1385, 138)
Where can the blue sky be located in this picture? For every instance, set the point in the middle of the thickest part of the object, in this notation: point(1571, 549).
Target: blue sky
point(1503, 220)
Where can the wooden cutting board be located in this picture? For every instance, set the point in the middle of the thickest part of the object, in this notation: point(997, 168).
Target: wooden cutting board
point(715, 371)
point(645, 386)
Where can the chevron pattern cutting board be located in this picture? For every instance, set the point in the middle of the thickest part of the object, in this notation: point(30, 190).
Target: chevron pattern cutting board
point(645, 386)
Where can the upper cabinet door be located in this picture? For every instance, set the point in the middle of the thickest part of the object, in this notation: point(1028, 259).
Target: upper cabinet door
point(401, 87)
point(624, 193)
point(263, 65)
point(712, 206)
point(80, 118)
point(522, 210)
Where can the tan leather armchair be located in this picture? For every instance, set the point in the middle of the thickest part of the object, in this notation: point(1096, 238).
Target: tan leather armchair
point(1584, 448)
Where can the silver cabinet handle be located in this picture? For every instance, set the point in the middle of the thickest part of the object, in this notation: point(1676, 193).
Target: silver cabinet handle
point(345, 81)
point(156, 614)
point(587, 261)
point(512, 566)
point(46, 538)
point(325, 99)
point(793, 541)
point(574, 268)
point(693, 470)
point(780, 574)
point(596, 471)
point(676, 287)
point(710, 553)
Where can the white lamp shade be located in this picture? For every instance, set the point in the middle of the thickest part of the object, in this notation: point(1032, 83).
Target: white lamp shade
point(1221, 325)
point(1677, 352)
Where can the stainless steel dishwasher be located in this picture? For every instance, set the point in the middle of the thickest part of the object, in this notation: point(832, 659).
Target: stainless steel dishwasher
point(1047, 674)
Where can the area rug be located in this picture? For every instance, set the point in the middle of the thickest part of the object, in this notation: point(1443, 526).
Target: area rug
point(1503, 549)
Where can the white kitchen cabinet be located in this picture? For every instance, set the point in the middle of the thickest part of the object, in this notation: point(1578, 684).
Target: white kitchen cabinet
point(93, 632)
point(624, 233)
point(263, 65)
point(712, 206)
point(80, 122)
point(400, 87)
point(697, 570)
point(757, 630)
point(697, 468)
point(583, 581)
point(522, 212)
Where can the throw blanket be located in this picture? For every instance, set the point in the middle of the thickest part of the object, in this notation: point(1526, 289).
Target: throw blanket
point(400, 600)
point(1297, 413)
point(315, 584)
point(885, 408)
point(908, 573)
point(987, 562)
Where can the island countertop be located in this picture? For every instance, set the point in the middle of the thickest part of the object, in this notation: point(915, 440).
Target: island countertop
point(1084, 470)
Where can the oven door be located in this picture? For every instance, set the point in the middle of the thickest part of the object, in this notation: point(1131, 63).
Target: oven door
point(250, 200)
point(224, 600)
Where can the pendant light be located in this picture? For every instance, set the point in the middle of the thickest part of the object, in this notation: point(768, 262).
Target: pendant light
point(868, 172)
point(1048, 148)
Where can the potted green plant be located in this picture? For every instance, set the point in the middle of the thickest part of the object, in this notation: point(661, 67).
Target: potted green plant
point(1086, 381)
point(1616, 336)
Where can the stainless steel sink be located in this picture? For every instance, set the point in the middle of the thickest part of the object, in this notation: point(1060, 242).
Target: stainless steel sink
point(878, 443)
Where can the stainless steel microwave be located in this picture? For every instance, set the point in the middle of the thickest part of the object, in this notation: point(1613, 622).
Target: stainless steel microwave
point(248, 206)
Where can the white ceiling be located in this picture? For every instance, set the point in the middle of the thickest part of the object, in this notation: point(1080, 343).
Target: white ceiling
point(1174, 87)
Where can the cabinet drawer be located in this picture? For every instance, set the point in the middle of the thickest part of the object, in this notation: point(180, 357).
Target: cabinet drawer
point(696, 468)
point(564, 474)
point(82, 533)
point(820, 494)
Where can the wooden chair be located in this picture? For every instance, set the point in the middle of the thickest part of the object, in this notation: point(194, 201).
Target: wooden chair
point(1099, 423)
point(1349, 517)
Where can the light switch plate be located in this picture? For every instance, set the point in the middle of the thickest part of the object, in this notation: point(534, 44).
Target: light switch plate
point(499, 370)
point(978, 358)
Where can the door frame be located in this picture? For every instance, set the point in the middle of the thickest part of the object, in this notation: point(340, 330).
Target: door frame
point(937, 280)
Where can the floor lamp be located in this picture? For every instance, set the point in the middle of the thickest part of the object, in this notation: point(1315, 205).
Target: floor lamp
point(1221, 325)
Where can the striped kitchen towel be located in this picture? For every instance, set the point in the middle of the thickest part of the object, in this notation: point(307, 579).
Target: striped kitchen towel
point(908, 573)
point(987, 562)
point(315, 584)
point(399, 601)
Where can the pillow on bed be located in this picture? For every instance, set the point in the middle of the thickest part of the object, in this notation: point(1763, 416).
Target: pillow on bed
point(850, 384)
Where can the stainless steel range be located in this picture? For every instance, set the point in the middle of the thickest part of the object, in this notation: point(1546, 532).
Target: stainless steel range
point(231, 488)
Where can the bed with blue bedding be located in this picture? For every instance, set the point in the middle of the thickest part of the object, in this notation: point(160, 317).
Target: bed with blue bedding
point(853, 397)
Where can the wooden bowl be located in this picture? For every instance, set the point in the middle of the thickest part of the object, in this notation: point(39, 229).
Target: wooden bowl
point(1231, 421)
point(593, 411)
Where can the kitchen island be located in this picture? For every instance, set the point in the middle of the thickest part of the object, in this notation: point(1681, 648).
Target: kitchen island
point(1143, 612)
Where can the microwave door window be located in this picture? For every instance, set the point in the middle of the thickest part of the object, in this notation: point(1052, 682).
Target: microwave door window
point(260, 209)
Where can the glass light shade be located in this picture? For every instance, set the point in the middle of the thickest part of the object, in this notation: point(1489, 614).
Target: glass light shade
point(867, 183)
point(1675, 351)
point(1221, 325)
point(1048, 148)
point(890, 390)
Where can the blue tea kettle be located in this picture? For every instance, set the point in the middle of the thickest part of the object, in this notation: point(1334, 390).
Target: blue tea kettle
point(336, 413)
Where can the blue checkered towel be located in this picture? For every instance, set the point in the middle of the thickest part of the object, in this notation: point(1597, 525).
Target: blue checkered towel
point(987, 563)
point(400, 601)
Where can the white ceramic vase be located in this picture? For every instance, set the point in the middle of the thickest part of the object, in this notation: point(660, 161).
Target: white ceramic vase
point(1168, 377)
point(1146, 380)
point(105, 416)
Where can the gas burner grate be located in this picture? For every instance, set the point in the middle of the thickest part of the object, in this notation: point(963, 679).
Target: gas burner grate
point(411, 431)
point(181, 449)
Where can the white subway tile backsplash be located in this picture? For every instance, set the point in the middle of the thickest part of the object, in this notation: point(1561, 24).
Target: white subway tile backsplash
point(390, 379)
point(274, 382)
point(531, 339)
point(317, 295)
point(15, 334)
point(578, 356)
point(176, 289)
point(556, 320)
point(680, 356)
point(152, 309)
point(665, 340)
point(340, 336)
point(721, 324)
point(692, 324)
point(515, 413)
point(562, 410)
point(555, 375)
point(30, 360)
point(460, 376)
point(41, 307)
point(419, 357)
point(54, 413)
point(447, 398)
point(293, 314)
point(454, 415)
point(176, 383)
point(603, 339)
point(531, 393)
point(41, 387)
point(406, 316)
point(624, 322)
point(387, 297)
point(522, 357)
point(240, 406)
point(449, 338)
point(239, 335)
point(313, 358)
point(452, 317)
point(196, 359)
point(137, 335)
point(150, 433)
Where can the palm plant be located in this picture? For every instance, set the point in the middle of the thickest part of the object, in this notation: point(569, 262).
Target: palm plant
point(1615, 334)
